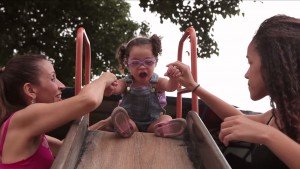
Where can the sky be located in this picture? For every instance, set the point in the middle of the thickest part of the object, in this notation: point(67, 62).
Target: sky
point(221, 75)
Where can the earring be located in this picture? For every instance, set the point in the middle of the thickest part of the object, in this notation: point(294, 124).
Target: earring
point(32, 101)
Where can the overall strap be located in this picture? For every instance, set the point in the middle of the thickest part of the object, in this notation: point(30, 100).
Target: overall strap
point(128, 80)
point(154, 78)
point(153, 82)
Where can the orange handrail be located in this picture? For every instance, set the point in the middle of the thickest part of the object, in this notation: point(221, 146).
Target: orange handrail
point(190, 32)
point(82, 40)
point(69, 152)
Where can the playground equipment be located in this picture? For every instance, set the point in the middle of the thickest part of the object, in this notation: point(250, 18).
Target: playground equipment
point(100, 149)
point(189, 33)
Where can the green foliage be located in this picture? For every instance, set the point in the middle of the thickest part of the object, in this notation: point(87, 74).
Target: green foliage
point(49, 27)
point(201, 14)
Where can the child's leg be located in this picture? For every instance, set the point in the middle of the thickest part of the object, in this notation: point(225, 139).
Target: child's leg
point(161, 119)
point(105, 125)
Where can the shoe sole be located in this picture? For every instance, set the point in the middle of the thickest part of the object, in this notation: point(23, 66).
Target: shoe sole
point(120, 120)
point(173, 128)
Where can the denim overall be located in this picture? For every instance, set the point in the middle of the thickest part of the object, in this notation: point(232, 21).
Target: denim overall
point(142, 103)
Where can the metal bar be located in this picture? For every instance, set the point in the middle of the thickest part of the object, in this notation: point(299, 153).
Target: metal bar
point(189, 33)
point(70, 150)
point(82, 41)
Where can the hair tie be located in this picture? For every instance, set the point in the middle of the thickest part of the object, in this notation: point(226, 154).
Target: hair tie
point(195, 88)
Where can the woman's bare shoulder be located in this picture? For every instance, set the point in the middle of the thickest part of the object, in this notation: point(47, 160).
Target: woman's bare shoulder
point(261, 117)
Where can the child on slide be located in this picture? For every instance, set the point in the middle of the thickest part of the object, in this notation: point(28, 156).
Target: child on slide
point(143, 92)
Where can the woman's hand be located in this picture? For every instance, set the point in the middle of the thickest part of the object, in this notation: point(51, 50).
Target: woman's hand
point(173, 72)
point(111, 89)
point(241, 128)
point(108, 77)
point(186, 78)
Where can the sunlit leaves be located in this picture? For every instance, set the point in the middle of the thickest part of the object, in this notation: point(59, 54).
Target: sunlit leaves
point(50, 27)
point(201, 14)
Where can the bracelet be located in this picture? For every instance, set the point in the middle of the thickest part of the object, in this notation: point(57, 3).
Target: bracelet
point(195, 88)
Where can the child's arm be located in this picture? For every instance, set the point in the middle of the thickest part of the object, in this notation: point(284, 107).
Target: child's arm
point(170, 84)
point(100, 124)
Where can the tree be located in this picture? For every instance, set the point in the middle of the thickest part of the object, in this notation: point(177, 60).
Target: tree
point(49, 27)
point(201, 14)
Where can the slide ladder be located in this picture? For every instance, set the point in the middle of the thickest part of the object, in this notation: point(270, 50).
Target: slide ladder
point(85, 149)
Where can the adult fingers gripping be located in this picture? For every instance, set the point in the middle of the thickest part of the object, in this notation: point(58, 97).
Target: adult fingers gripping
point(240, 128)
point(185, 76)
point(177, 73)
point(228, 122)
point(228, 127)
point(180, 66)
point(108, 77)
point(115, 83)
point(226, 135)
point(228, 131)
point(173, 72)
point(184, 70)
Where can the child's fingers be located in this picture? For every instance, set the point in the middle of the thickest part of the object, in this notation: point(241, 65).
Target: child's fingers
point(115, 83)
point(177, 74)
point(174, 72)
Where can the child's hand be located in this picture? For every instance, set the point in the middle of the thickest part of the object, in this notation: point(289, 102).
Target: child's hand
point(109, 90)
point(173, 72)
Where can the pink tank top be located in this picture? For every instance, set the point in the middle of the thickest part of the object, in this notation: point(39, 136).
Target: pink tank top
point(41, 159)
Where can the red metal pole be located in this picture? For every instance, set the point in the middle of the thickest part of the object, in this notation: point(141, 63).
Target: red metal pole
point(82, 41)
point(190, 32)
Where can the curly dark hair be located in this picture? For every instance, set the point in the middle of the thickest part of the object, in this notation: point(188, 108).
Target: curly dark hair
point(123, 51)
point(278, 44)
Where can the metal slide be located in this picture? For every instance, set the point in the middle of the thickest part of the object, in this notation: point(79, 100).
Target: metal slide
point(84, 149)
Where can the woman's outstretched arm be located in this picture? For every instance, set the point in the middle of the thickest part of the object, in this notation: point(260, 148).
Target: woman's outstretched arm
point(221, 108)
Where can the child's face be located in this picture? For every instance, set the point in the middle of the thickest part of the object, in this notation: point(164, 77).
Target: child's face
point(141, 63)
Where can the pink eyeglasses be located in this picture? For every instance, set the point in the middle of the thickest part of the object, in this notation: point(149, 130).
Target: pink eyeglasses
point(137, 63)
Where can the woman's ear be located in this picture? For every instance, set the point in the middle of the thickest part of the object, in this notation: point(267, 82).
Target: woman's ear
point(29, 92)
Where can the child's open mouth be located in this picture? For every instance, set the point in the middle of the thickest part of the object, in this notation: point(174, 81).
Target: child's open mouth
point(143, 74)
